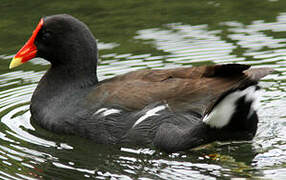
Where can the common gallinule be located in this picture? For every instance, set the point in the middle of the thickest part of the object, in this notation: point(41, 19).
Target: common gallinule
point(172, 109)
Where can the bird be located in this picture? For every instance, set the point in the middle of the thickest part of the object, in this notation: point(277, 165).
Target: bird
point(172, 110)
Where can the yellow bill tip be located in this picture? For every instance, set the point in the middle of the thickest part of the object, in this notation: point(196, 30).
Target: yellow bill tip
point(15, 62)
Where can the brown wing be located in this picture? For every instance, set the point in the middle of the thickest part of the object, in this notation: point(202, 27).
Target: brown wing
point(184, 89)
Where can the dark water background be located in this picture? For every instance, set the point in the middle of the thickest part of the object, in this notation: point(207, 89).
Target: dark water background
point(147, 34)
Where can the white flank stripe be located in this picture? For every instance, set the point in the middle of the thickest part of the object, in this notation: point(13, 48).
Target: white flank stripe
point(106, 112)
point(99, 111)
point(110, 111)
point(151, 112)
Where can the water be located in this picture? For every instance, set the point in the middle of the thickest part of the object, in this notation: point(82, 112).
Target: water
point(138, 35)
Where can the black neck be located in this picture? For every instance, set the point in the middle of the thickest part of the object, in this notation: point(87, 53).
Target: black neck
point(72, 75)
point(64, 80)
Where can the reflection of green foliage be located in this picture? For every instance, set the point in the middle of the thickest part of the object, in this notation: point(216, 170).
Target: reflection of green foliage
point(118, 21)
point(236, 158)
point(12, 160)
point(229, 162)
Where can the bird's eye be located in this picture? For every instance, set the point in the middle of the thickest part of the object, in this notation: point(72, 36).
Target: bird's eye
point(46, 36)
